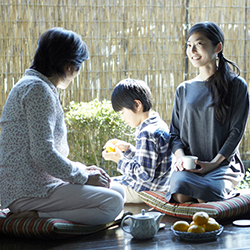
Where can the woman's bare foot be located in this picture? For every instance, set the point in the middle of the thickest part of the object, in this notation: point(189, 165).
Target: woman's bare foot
point(10, 215)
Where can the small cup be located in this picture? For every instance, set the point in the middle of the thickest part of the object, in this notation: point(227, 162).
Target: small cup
point(188, 161)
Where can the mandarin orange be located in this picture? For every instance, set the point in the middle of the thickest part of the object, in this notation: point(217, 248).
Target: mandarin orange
point(181, 226)
point(212, 225)
point(196, 229)
point(200, 218)
point(110, 148)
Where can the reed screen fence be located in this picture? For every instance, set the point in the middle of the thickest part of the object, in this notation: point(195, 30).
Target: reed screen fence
point(126, 38)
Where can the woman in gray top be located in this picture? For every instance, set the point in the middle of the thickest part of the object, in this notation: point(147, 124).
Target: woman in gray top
point(208, 121)
point(36, 177)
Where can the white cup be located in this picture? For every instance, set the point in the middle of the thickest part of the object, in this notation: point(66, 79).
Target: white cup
point(188, 161)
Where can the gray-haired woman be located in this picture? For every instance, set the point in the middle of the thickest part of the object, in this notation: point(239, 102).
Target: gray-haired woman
point(36, 177)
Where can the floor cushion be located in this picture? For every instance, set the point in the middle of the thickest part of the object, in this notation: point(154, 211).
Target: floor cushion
point(233, 207)
point(48, 227)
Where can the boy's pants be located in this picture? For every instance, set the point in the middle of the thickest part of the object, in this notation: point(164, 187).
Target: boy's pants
point(131, 196)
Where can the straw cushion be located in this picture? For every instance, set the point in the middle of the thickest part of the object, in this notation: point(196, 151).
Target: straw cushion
point(219, 210)
point(48, 227)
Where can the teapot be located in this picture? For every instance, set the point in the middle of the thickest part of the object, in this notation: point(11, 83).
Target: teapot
point(143, 226)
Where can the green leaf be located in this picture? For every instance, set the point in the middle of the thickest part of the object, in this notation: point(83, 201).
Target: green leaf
point(90, 125)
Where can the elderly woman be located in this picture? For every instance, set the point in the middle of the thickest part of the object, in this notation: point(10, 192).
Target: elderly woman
point(36, 177)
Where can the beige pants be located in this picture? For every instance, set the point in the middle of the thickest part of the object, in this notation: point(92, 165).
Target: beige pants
point(79, 203)
point(131, 196)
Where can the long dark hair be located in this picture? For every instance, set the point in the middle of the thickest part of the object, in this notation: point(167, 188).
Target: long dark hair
point(221, 82)
point(57, 48)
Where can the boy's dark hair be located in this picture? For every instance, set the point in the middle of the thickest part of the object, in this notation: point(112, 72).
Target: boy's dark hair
point(57, 48)
point(127, 91)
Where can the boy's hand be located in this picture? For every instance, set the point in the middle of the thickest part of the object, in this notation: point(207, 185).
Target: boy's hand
point(122, 145)
point(112, 156)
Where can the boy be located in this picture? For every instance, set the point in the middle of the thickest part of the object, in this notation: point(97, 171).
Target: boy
point(148, 165)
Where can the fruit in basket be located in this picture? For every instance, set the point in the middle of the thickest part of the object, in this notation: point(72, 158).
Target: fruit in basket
point(192, 223)
point(201, 223)
point(181, 225)
point(211, 219)
point(196, 229)
point(200, 218)
point(211, 225)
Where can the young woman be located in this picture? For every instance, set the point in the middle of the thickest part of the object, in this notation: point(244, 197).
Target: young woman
point(146, 166)
point(36, 177)
point(208, 120)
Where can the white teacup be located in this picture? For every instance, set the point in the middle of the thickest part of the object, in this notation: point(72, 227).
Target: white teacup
point(188, 161)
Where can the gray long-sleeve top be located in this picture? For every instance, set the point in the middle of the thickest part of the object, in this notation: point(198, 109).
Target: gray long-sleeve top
point(194, 127)
point(33, 142)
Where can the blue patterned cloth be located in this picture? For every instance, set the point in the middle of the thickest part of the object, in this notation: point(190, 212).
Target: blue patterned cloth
point(148, 165)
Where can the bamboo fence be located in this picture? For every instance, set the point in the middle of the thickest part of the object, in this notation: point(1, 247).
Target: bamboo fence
point(126, 38)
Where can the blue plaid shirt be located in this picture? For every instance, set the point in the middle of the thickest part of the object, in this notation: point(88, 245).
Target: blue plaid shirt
point(148, 165)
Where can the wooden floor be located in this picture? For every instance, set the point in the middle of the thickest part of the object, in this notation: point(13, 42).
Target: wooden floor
point(232, 238)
